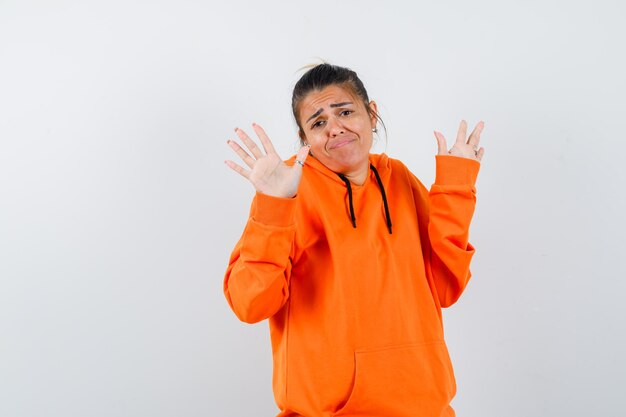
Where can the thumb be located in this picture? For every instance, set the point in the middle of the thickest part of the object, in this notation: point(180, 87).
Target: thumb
point(441, 143)
point(302, 154)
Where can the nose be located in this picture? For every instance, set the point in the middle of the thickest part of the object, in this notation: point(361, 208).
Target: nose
point(335, 127)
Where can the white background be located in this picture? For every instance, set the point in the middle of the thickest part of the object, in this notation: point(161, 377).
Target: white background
point(117, 214)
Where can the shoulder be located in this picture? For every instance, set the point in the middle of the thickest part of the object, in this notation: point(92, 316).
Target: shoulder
point(391, 167)
point(400, 172)
point(383, 162)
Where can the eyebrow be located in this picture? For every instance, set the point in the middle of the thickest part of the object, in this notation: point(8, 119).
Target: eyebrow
point(332, 105)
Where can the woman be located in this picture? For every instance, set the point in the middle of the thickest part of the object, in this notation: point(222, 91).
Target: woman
point(351, 258)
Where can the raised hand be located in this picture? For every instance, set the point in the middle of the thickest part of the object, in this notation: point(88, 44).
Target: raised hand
point(268, 173)
point(466, 149)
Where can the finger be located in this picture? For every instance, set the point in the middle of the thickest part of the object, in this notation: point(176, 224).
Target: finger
point(256, 151)
point(474, 138)
point(442, 148)
point(241, 152)
point(462, 134)
point(238, 169)
point(480, 153)
point(302, 154)
point(265, 140)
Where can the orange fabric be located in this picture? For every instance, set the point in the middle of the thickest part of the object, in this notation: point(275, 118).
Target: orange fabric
point(355, 313)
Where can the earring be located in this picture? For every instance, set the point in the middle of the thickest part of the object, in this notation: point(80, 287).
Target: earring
point(374, 130)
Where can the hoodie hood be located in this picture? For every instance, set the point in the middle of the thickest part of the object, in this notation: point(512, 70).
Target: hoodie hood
point(379, 171)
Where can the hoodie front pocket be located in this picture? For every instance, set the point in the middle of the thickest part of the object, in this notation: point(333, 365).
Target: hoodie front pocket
point(406, 380)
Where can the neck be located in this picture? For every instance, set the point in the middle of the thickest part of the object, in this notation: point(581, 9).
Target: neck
point(358, 177)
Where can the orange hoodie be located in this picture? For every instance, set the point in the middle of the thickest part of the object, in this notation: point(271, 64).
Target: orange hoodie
point(355, 312)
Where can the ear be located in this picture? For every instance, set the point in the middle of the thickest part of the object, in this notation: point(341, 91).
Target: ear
point(302, 135)
point(374, 110)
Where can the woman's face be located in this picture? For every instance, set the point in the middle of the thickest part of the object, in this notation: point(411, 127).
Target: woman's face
point(338, 127)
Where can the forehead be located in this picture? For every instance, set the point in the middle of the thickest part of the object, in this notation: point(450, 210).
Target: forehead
point(316, 100)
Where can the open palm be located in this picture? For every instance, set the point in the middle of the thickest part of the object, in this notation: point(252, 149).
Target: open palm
point(267, 172)
point(465, 148)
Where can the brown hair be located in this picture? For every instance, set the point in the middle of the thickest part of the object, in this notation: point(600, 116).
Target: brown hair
point(324, 75)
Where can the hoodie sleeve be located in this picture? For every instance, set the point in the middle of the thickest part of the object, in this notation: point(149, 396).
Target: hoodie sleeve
point(256, 283)
point(447, 210)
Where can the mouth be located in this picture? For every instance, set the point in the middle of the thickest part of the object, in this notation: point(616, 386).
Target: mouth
point(341, 143)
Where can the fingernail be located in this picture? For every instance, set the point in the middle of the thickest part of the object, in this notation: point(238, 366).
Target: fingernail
point(236, 129)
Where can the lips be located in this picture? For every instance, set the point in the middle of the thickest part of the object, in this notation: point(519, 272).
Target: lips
point(340, 143)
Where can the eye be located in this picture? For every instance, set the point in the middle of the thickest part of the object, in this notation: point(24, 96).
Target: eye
point(317, 124)
point(346, 112)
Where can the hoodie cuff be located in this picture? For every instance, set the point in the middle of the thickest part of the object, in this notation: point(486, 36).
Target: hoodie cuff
point(456, 170)
point(274, 211)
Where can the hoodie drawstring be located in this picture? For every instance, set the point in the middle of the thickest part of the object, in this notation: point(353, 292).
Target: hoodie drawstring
point(347, 181)
point(382, 192)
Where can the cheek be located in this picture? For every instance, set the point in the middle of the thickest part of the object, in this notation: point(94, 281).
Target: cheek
point(314, 136)
point(365, 124)
point(317, 145)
